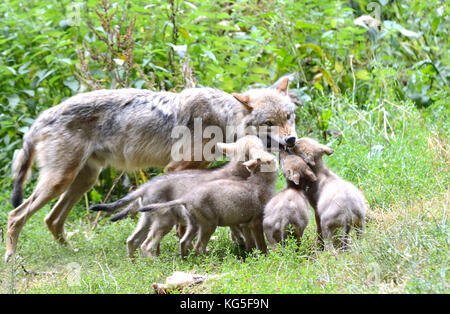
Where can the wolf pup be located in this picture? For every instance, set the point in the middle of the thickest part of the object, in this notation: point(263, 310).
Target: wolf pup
point(290, 206)
point(175, 185)
point(337, 203)
point(237, 203)
point(128, 129)
point(162, 222)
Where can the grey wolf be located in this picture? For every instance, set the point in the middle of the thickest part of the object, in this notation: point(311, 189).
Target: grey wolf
point(290, 206)
point(172, 186)
point(237, 203)
point(337, 203)
point(128, 129)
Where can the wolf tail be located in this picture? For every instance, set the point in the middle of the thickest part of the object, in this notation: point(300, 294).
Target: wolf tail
point(161, 205)
point(21, 169)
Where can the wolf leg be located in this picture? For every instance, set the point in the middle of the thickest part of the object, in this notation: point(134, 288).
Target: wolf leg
point(183, 165)
point(83, 182)
point(50, 185)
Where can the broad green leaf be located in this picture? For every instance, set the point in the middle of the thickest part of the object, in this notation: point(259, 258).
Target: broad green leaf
point(362, 75)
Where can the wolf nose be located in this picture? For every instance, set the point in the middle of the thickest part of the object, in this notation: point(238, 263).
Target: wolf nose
point(290, 140)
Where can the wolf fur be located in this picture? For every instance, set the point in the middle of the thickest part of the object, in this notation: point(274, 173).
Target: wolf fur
point(128, 129)
point(337, 203)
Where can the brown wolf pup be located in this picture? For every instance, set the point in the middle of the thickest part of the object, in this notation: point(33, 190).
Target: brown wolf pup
point(290, 206)
point(128, 129)
point(227, 203)
point(337, 203)
point(174, 185)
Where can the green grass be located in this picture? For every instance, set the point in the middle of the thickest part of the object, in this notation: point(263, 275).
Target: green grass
point(405, 248)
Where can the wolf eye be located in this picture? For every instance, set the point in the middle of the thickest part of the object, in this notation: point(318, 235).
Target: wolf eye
point(289, 116)
point(269, 123)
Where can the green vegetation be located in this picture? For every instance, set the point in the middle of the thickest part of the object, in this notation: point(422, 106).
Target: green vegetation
point(378, 97)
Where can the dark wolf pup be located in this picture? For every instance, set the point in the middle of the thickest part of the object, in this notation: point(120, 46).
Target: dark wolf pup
point(127, 129)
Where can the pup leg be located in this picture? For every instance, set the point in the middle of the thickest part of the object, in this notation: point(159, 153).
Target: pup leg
point(249, 240)
point(327, 234)
point(345, 237)
point(139, 234)
point(319, 231)
point(298, 233)
point(151, 245)
point(270, 234)
point(186, 241)
point(180, 230)
point(360, 229)
point(237, 236)
point(258, 234)
point(205, 233)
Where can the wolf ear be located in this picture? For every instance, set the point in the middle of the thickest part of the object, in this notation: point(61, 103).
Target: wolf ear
point(283, 86)
point(243, 99)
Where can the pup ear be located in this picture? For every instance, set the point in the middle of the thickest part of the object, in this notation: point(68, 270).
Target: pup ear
point(310, 175)
point(251, 164)
point(309, 159)
point(267, 158)
point(253, 153)
point(283, 154)
point(283, 86)
point(294, 177)
point(326, 150)
point(295, 99)
point(243, 99)
point(225, 148)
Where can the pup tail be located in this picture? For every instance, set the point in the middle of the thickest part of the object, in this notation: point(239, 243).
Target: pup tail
point(131, 209)
point(111, 207)
point(161, 205)
point(127, 199)
point(21, 170)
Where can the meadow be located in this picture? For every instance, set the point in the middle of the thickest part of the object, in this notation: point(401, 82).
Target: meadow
point(378, 98)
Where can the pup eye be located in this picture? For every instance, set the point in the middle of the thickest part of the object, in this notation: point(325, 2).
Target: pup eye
point(269, 123)
point(289, 116)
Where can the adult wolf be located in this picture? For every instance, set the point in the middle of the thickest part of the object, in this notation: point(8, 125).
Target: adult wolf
point(127, 129)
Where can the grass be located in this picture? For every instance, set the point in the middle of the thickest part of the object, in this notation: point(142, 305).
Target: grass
point(399, 159)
